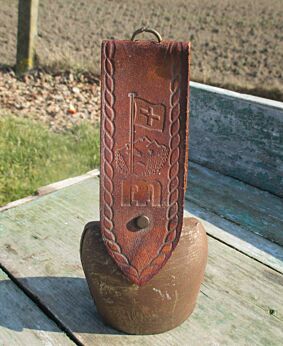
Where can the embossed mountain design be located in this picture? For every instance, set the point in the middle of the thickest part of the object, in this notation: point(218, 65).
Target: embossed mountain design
point(149, 157)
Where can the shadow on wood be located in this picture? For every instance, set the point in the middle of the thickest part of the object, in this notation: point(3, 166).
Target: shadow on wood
point(52, 287)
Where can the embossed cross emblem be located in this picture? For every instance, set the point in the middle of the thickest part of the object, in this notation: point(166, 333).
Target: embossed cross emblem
point(150, 115)
point(143, 153)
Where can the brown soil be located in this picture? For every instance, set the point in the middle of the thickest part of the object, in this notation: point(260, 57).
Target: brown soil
point(236, 44)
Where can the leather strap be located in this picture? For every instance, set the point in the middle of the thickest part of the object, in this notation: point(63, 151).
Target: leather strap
point(144, 152)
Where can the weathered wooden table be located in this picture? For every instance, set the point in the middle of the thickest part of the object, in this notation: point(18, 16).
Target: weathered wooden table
point(44, 298)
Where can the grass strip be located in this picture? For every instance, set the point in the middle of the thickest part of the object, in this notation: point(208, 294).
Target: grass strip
point(31, 155)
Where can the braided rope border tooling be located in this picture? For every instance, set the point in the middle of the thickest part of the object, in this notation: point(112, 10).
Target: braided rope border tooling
point(108, 129)
point(108, 143)
point(173, 179)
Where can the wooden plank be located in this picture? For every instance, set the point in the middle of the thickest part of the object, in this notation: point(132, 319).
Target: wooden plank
point(257, 211)
point(44, 190)
point(18, 202)
point(241, 301)
point(27, 31)
point(22, 322)
point(204, 182)
point(238, 95)
point(238, 136)
point(237, 237)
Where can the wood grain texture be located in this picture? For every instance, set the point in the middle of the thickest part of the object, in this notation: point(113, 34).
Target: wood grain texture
point(257, 211)
point(238, 237)
point(26, 36)
point(241, 301)
point(44, 190)
point(239, 137)
point(22, 322)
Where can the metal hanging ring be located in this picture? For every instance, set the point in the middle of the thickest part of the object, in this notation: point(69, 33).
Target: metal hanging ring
point(145, 29)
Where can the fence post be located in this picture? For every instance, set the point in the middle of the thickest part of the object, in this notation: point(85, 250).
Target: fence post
point(27, 31)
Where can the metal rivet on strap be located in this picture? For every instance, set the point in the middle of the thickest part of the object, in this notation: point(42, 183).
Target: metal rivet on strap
point(142, 221)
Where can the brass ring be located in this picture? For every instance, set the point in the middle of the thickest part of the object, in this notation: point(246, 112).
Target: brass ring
point(145, 29)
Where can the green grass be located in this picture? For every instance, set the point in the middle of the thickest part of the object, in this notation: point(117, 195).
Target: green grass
point(31, 155)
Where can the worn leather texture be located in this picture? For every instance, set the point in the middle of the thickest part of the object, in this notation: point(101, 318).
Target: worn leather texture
point(144, 151)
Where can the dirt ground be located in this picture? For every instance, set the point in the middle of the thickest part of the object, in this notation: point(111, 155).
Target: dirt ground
point(235, 44)
point(60, 101)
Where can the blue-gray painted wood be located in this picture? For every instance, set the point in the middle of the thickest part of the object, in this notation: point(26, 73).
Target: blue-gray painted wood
point(257, 211)
point(241, 300)
point(21, 320)
point(238, 135)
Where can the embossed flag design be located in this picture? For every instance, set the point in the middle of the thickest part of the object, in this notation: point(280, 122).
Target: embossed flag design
point(144, 151)
point(148, 115)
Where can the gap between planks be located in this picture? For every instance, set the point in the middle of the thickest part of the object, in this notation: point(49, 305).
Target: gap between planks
point(41, 306)
point(234, 247)
point(236, 298)
point(224, 238)
point(235, 178)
